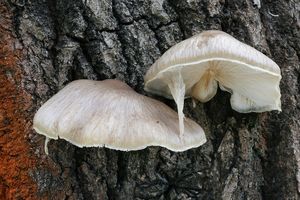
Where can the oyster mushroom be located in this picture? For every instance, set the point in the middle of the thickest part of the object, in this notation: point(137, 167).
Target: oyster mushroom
point(109, 113)
point(196, 66)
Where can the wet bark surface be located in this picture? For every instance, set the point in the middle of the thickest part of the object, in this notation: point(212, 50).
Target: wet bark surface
point(247, 156)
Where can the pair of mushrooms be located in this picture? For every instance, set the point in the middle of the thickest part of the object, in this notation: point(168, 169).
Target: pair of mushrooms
point(109, 113)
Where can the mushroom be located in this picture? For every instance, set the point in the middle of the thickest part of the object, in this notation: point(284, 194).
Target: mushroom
point(196, 66)
point(109, 113)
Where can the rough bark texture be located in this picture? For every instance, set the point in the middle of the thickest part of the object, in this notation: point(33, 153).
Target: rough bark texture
point(44, 44)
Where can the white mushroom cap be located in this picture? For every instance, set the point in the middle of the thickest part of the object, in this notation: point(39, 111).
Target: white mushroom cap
point(109, 113)
point(205, 60)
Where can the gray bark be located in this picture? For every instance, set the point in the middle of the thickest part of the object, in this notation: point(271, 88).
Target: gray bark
point(247, 156)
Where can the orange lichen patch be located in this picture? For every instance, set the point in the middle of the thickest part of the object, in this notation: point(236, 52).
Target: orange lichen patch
point(16, 158)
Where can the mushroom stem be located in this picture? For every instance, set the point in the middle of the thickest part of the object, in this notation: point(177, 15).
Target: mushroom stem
point(177, 88)
point(46, 145)
point(206, 88)
point(194, 102)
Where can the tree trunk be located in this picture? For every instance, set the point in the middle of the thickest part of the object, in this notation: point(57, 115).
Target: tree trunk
point(46, 44)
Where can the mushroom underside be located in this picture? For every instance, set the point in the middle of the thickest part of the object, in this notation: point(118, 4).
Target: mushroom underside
point(253, 89)
point(176, 147)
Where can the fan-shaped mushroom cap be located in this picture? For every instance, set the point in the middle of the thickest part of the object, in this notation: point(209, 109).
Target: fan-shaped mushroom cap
point(203, 61)
point(109, 113)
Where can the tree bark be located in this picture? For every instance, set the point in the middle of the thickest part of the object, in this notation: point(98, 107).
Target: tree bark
point(46, 44)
